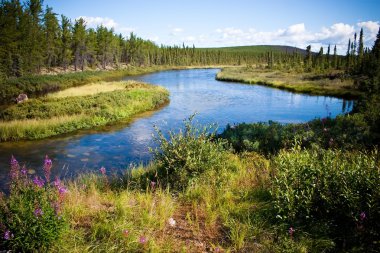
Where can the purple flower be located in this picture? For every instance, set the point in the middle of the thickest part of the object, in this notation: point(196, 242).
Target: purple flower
point(363, 216)
point(142, 239)
point(60, 187)
point(7, 235)
point(62, 190)
point(38, 181)
point(15, 167)
point(47, 168)
point(14, 162)
point(57, 182)
point(38, 212)
point(152, 184)
point(23, 170)
point(103, 170)
point(324, 120)
point(126, 233)
point(291, 231)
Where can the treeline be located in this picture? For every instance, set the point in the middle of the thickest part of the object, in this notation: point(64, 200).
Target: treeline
point(33, 38)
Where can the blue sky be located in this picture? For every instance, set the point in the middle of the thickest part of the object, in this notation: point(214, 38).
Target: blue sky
point(218, 23)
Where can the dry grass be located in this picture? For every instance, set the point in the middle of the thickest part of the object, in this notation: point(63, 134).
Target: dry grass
point(309, 83)
point(89, 89)
point(96, 88)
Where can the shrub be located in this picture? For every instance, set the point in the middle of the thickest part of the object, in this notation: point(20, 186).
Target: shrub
point(347, 132)
point(30, 217)
point(187, 154)
point(338, 191)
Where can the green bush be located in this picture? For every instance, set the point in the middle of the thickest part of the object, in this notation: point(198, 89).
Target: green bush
point(337, 191)
point(30, 217)
point(347, 132)
point(187, 154)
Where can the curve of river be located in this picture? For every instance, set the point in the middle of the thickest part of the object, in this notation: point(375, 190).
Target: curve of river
point(116, 147)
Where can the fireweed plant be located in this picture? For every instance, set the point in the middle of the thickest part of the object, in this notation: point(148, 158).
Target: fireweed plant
point(30, 217)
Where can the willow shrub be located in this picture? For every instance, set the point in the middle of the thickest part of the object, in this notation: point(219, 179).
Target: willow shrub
point(339, 191)
point(30, 216)
point(185, 155)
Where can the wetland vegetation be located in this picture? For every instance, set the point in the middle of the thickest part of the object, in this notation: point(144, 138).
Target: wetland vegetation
point(255, 187)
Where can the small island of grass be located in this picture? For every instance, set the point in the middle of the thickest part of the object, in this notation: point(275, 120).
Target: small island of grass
point(79, 108)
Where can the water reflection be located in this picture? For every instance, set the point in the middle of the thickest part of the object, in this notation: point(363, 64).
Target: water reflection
point(190, 91)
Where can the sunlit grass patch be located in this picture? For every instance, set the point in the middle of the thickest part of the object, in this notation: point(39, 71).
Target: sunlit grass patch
point(309, 83)
point(79, 108)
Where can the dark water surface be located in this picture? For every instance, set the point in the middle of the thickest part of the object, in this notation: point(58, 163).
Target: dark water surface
point(115, 147)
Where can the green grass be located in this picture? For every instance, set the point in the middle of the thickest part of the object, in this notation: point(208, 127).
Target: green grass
point(308, 83)
point(229, 203)
point(40, 118)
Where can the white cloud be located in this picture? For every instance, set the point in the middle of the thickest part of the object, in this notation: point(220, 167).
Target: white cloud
point(371, 26)
point(370, 30)
point(294, 35)
point(97, 21)
point(94, 22)
point(295, 29)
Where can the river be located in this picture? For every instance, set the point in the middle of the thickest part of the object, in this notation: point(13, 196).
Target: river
point(191, 91)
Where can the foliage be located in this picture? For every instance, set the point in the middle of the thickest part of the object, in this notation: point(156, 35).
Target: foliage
point(31, 216)
point(39, 118)
point(347, 132)
point(184, 156)
point(332, 191)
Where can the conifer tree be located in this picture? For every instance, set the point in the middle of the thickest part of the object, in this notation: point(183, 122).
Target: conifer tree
point(361, 46)
point(65, 55)
point(52, 35)
point(79, 44)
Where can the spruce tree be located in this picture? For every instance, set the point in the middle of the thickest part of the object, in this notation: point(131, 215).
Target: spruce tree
point(52, 35)
point(79, 44)
point(65, 55)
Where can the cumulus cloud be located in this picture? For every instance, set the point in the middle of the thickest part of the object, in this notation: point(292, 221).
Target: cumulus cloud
point(97, 21)
point(295, 29)
point(298, 35)
point(94, 22)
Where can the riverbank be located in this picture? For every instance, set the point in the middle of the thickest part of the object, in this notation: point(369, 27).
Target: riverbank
point(308, 83)
point(196, 196)
point(53, 81)
point(79, 108)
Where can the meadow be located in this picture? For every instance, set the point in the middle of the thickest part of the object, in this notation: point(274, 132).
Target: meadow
point(328, 84)
point(79, 108)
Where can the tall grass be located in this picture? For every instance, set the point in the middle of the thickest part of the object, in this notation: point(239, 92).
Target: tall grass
point(308, 83)
point(39, 118)
point(88, 89)
point(40, 85)
point(296, 201)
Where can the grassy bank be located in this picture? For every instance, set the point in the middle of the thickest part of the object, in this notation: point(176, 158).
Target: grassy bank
point(41, 85)
point(309, 83)
point(79, 108)
point(197, 196)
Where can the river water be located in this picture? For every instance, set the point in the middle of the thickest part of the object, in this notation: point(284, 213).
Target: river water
point(191, 91)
